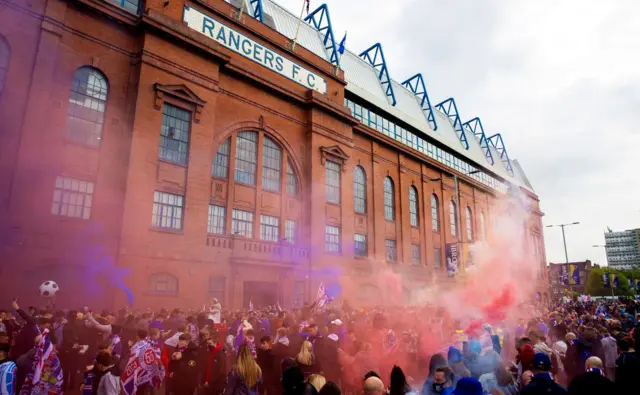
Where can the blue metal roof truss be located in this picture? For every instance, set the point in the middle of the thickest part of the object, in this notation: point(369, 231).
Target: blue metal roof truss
point(449, 108)
point(498, 144)
point(322, 22)
point(375, 57)
point(417, 86)
point(257, 9)
point(475, 126)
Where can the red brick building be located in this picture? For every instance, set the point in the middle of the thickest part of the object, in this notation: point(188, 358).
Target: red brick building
point(184, 150)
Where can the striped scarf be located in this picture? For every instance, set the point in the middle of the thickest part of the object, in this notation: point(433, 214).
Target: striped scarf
point(46, 378)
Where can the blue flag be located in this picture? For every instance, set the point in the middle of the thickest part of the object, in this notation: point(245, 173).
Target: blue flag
point(342, 43)
point(615, 282)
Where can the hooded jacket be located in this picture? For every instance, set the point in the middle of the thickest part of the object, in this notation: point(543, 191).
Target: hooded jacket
point(184, 371)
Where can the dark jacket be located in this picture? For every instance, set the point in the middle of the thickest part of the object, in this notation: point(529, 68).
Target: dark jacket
point(184, 372)
point(543, 385)
point(216, 370)
point(266, 359)
point(25, 338)
point(591, 383)
point(577, 355)
point(627, 371)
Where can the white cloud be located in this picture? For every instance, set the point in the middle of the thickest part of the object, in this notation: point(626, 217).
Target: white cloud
point(559, 79)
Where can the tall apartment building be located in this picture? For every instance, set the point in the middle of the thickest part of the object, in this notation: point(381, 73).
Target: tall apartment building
point(184, 150)
point(623, 249)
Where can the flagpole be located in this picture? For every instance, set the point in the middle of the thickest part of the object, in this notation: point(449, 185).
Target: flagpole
point(293, 46)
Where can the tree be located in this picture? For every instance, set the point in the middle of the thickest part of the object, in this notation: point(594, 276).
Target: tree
point(595, 286)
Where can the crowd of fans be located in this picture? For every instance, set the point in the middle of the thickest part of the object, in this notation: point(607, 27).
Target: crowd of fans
point(576, 348)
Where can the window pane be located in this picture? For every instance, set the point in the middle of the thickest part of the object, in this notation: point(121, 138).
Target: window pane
point(359, 191)
point(332, 180)
point(87, 103)
point(162, 283)
point(69, 201)
point(242, 223)
point(246, 154)
point(216, 219)
point(360, 245)
point(271, 163)
point(389, 200)
point(437, 257)
point(217, 289)
point(290, 231)
point(435, 214)
point(292, 181)
point(174, 134)
point(390, 250)
point(469, 224)
point(269, 228)
point(413, 206)
point(415, 254)
point(332, 239)
point(452, 218)
point(167, 210)
point(221, 160)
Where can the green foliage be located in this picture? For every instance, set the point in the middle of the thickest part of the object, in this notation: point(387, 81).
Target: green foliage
point(595, 286)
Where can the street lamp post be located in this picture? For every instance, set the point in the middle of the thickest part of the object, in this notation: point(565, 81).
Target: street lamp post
point(606, 260)
point(564, 239)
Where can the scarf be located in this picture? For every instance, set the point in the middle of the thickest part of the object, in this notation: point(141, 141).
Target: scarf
point(596, 370)
point(46, 377)
point(8, 378)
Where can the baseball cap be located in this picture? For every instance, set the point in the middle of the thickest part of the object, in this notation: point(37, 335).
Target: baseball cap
point(468, 386)
point(542, 362)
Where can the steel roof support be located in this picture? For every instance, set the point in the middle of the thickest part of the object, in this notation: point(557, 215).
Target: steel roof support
point(377, 61)
point(257, 10)
point(475, 126)
point(449, 108)
point(417, 86)
point(322, 22)
point(498, 144)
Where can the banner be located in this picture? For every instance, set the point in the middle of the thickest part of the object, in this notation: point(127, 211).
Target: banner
point(638, 284)
point(564, 275)
point(615, 281)
point(605, 281)
point(451, 254)
point(574, 275)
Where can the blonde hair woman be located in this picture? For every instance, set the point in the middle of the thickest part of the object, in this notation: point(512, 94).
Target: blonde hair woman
point(317, 381)
point(246, 372)
point(306, 360)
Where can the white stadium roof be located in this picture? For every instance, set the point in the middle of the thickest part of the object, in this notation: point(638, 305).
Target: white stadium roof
point(363, 83)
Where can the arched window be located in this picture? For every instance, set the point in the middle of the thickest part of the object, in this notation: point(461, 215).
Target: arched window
point(435, 214)
point(359, 191)
point(452, 218)
point(469, 222)
point(271, 165)
point(246, 157)
point(389, 200)
point(5, 54)
point(221, 160)
point(162, 283)
point(413, 206)
point(292, 180)
point(483, 231)
point(87, 103)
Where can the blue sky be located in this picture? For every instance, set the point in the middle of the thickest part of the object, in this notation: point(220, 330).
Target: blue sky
point(560, 80)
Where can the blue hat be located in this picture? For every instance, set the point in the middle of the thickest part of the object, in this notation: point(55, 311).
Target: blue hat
point(475, 347)
point(454, 355)
point(542, 362)
point(468, 386)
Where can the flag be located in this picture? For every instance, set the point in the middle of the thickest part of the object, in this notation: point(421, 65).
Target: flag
point(322, 299)
point(614, 281)
point(342, 43)
point(250, 304)
point(574, 272)
point(564, 275)
point(279, 308)
point(605, 281)
point(638, 284)
point(46, 377)
point(144, 367)
point(308, 5)
point(630, 281)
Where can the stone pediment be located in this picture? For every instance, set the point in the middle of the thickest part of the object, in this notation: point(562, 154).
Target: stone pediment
point(335, 154)
point(182, 93)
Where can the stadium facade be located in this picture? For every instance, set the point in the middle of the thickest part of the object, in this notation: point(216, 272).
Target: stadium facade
point(187, 150)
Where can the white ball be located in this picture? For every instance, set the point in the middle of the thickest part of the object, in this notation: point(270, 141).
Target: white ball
point(48, 289)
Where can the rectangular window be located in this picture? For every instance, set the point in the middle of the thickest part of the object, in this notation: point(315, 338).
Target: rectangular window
point(72, 198)
point(391, 253)
point(269, 228)
point(216, 288)
point(298, 294)
point(437, 257)
point(174, 134)
point(292, 181)
point(290, 231)
point(167, 210)
point(332, 239)
point(129, 5)
point(216, 219)
point(271, 164)
point(221, 160)
point(360, 245)
point(242, 223)
point(246, 154)
point(415, 255)
point(332, 175)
